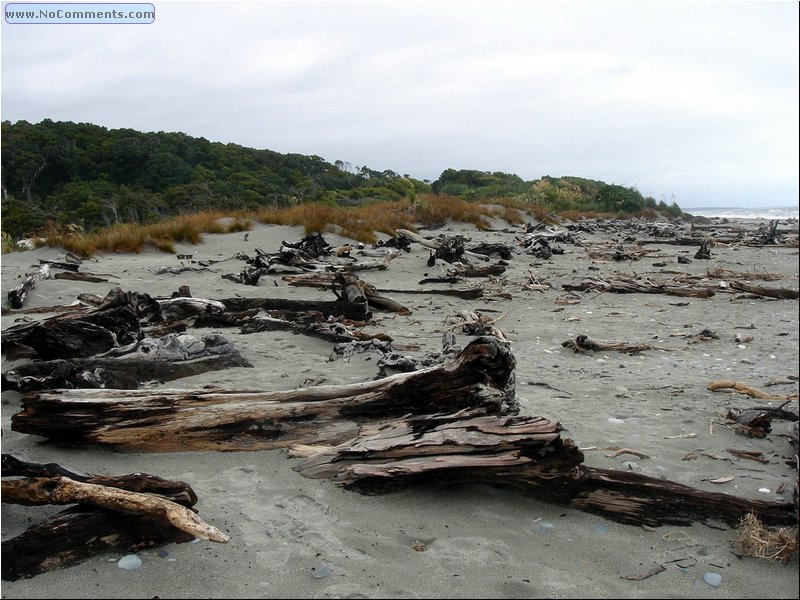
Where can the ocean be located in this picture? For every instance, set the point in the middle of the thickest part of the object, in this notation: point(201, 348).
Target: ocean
point(779, 212)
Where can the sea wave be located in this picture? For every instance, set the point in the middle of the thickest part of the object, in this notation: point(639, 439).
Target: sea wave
point(779, 212)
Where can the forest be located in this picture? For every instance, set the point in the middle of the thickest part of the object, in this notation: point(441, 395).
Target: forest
point(63, 172)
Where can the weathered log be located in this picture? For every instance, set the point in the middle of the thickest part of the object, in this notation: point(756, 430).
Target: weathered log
point(325, 281)
point(84, 530)
point(179, 308)
point(19, 293)
point(636, 287)
point(783, 293)
point(481, 378)
point(66, 266)
point(80, 277)
point(328, 308)
point(76, 335)
point(471, 271)
point(78, 533)
point(63, 490)
point(114, 373)
point(523, 453)
point(727, 384)
point(177, 491)
point(583, 343)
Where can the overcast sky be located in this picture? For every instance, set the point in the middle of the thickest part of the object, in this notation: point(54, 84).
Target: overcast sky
point(692, 99)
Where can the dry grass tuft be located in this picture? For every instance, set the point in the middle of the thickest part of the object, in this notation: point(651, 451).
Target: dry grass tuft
point(759, 542)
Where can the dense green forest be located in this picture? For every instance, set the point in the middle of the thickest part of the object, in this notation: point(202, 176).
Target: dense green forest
point(93, 176)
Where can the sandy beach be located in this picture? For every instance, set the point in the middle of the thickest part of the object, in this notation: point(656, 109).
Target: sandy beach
point(292, 537)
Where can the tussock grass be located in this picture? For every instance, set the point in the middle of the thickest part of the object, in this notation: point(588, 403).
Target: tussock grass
point(134, 238)
point(362, 222)
point(759, 542)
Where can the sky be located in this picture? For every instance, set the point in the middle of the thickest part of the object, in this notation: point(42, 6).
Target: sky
point(692, 102)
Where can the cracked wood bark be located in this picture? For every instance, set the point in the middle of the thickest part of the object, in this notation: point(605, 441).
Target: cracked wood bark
point(19, 293)
point(481, 378)
point(524, 453)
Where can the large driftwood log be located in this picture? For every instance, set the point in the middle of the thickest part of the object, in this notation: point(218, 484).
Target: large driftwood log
point(481, 378)
point(19, 293)
point(524, 453)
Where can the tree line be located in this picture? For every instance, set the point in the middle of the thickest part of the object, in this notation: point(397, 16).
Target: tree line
point(65, 172)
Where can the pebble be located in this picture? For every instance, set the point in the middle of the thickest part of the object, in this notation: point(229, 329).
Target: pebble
point(712, 579)
point(765, 490)
point(601, 529)
point(321, 572)
point(130, 562)
point(163, 554)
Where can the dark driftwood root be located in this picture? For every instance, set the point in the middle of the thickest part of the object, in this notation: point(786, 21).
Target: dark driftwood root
point(481, 379)
point(527, 454)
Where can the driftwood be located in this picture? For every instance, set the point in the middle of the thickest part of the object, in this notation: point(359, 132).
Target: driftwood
point(325, 281)
point(727, 384)
point(328, 308)
point(758, 290)
point(524, 453)
point(165, 359)
point(19, 293)
point(357, 291)
point(585, 344)
point(66, 266)
point(471, 271)
point(78, 335)
point(481, 378)
point(63, 490)
point(73, 276)
point(436, 243)
point(637, 287)
point(139, 513)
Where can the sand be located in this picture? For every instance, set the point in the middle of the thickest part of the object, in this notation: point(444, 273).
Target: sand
point(479, 541)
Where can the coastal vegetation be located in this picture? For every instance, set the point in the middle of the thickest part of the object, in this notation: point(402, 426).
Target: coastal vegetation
point(91, 189)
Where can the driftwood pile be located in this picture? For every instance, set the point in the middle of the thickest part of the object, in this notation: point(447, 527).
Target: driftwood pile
point(452, 417)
